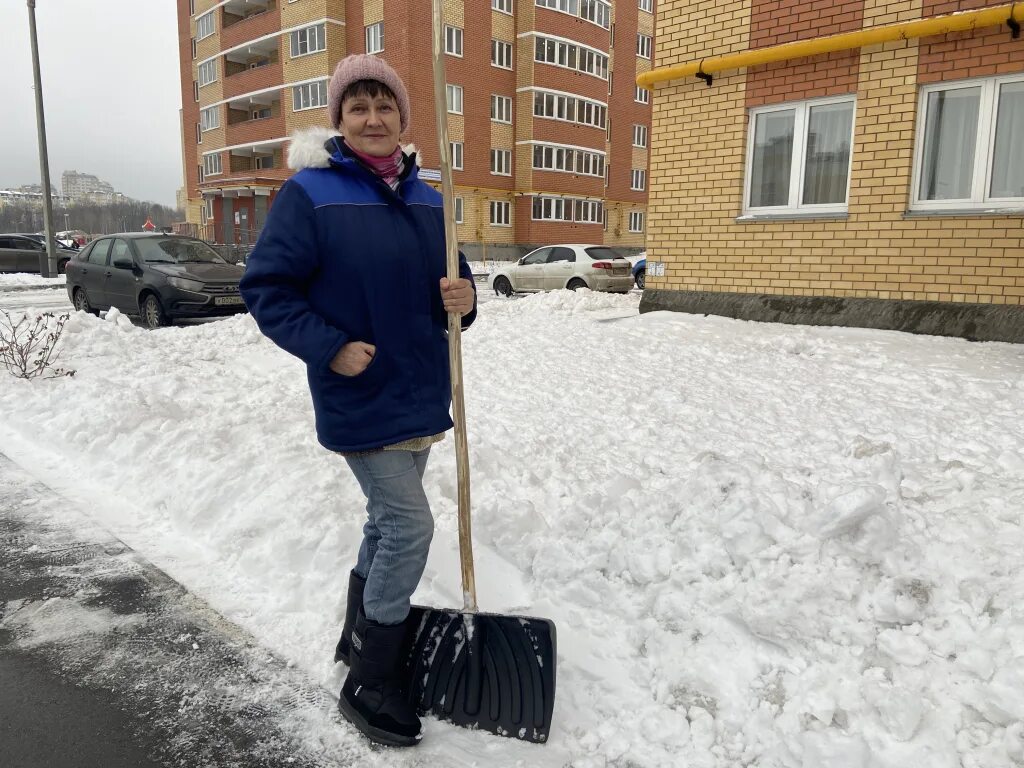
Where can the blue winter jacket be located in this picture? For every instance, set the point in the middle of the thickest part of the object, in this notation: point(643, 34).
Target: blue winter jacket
point(342, 257)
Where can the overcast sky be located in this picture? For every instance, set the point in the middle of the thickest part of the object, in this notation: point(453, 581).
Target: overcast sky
point(111, 91)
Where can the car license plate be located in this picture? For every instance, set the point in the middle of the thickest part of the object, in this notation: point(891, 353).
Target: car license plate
point(228, 300)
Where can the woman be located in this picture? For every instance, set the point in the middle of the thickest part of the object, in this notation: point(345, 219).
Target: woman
point(349, 276)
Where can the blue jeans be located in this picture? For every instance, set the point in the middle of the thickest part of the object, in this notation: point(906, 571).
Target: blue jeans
point(398, 530)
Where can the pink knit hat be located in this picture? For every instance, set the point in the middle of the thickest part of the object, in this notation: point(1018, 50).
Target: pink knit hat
point(362, 66)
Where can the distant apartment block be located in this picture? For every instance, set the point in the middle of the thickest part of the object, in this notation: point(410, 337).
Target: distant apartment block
point(550, 135)
point(84, 187)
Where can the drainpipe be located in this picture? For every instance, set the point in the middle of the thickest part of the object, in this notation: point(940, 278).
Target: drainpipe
point(1011, 14)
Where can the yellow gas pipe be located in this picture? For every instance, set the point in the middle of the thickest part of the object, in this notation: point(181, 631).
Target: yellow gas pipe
point(1011, 14)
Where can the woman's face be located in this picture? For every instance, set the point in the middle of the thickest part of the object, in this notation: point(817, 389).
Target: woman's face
point(371, 124)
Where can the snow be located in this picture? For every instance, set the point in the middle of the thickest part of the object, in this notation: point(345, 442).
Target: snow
point(24, 279)
point(761, 545)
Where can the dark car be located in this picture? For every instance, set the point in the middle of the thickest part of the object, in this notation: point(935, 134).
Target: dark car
point(159, 277)
point(20, 253)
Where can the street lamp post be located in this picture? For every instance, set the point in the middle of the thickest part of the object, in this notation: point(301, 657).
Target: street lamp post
point(47, 260)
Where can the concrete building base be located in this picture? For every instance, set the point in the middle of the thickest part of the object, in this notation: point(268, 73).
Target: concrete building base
point(975, 322)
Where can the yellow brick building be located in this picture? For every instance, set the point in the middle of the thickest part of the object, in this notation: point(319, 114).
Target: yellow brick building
point(876, 185)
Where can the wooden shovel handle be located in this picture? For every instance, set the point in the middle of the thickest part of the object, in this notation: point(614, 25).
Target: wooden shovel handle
point(454, 319)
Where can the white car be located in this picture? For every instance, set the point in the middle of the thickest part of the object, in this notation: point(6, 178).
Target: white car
point(571, 266)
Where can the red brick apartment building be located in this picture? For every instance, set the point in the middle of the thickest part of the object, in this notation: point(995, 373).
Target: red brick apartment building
point(549, 128)
point(840, 162)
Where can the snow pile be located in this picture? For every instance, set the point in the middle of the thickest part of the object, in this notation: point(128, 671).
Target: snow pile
point(23, 279)
point(761, 545)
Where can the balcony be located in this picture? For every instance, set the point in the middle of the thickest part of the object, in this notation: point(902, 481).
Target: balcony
point(238, 28)
point(250, 131)
point(253, 79)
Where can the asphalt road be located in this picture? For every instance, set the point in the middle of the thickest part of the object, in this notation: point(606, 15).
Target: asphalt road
point(106, 662)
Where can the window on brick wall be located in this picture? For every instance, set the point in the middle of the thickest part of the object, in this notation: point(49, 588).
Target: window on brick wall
point(309, 40)
point(501, 108)
point(458, 210)
point(501, 162)
point(505, 6)
point(207, 72)
point(636, 221)
point(642, 95)
point(309, 96)
point(646, 5)
point(211, 165)
point(205, 26)
point(638, 179)
point(375, 37)
point(643, 46)
point(456, 155)
point(452, 40)
point(798, 158)
point(453, 94)
point(501, 213)
point(639, 135)
point(501, 54)
point(970, 145)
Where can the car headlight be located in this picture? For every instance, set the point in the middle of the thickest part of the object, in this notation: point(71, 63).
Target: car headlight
point(185, 284)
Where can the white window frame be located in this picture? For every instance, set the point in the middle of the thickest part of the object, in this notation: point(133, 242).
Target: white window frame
point(501, 162)
point(984, 153)
point(587, 211)
point(199, 133)
point(453, 95)
point(502, 6)
point(501, 54)
point(564, 158)
point(638, 179)
point(645, 5)
point(208, 208)
point(374, 36)
point(195, 90)
point(558, 53)
point(456, 150)
point(501, 109)
point(209, 118)
point(643, 46)
point(597, 12)
point(212, 165)
point(206, 25)
point(206, 68)
point(194, 49)
point(459, 210)
point(453, 40)
point(302, 38)
point(640, 136)
point(504, 210)
point(567, 107)
point(636, 221)
point(641, 95)
point(796, 182)
point(552, 208)
point(302, 96)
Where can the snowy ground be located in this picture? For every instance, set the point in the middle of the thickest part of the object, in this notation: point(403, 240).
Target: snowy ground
point(761, 545)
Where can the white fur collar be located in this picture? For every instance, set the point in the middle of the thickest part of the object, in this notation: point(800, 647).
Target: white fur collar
point(306, 149)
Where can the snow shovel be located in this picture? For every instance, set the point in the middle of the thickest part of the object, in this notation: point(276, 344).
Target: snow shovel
point(477, 670)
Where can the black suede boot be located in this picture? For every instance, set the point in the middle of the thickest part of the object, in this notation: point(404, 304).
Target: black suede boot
point(355, 602)
point(372, 698)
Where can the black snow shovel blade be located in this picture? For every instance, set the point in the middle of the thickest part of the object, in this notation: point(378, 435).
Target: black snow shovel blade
point(483, 670)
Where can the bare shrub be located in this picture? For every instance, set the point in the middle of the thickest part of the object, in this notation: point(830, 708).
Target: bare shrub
point(29, 347)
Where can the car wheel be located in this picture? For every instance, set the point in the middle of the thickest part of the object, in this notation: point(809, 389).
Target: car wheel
point(641, 278)
point(82, 304)
point(503, 286)
point(153, 315)
point(576, 283)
